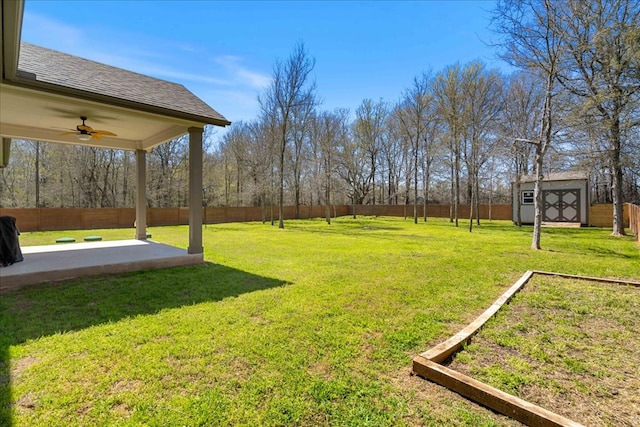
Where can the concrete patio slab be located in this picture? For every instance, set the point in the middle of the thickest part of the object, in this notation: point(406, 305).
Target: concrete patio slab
point(52, 263)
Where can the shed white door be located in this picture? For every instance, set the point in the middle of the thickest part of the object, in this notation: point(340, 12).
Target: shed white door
point(561, 205)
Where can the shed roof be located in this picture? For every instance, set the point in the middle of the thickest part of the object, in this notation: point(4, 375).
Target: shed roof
point(558, 176)
point(52, 67)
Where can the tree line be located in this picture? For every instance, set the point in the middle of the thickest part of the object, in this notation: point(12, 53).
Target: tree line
point(457, 135)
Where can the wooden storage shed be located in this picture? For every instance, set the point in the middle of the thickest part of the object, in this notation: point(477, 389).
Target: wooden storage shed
point(565, 198)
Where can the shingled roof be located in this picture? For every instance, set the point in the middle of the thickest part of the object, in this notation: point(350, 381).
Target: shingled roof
point(557, 176)
point(61, 69)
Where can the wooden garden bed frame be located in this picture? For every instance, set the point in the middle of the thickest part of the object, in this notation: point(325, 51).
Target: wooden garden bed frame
point(428, 365)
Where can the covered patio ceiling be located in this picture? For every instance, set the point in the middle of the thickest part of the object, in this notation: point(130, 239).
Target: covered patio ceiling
point(40, 116)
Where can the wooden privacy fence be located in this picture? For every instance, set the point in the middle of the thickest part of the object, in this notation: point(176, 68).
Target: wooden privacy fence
point(51, 219)
point(634, 219)
point(601, 215)
point(501, 211)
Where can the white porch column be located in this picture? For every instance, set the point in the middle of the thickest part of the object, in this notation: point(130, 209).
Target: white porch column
point(141, 195)
point(195, 191)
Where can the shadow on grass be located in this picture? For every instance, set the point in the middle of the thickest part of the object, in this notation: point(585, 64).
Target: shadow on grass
point(45, 310)
point(610, 253)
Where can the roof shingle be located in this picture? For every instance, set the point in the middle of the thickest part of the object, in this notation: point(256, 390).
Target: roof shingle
point(61, 69)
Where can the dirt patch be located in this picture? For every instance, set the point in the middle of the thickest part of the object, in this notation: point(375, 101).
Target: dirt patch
point(321, 369)
point(567, 345)
point(21, 365)
point(84, 409)
point(122, 386)
point(28, 402)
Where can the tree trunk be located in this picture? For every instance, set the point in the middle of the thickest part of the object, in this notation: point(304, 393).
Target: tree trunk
point(426, 190)
point(452, 194)
point(518, 202)
point(457, 185)
point(537, 194)
point(415, 183)
point(616, 181)
point(373, 180)
point(541, 149)
point(281, 190)
point(471, 203)
point(477, 204)
point(37, 177)
point(297, 199)
point(328, 193)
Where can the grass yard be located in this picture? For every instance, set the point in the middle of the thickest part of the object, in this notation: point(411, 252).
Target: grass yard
point(570, 346)
point(310, 325)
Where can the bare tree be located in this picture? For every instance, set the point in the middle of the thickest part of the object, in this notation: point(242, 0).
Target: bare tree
point(164, 163)
point(412, 115)
point(259, 161)
point(395, 152)
point(368, 130)
point(530, 42)
point(448, 94)
point(332, 127)
point(301, 120)
point(290, 90)
point(93, 176)
point(482, 106)
point(519, 120)
point(354, 168)
point(601, 64)
point(432, 146)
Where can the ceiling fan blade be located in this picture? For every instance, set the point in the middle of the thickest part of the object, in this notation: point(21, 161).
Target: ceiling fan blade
point(104, 132)
point(96, 136)
point(85, 128)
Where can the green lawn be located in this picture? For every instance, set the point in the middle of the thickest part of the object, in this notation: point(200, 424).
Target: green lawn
point(315, 324)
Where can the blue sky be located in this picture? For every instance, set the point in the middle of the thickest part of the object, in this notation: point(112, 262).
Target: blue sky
point(224, 51)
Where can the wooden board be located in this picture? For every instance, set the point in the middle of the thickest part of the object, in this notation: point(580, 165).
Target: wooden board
point(514, 407)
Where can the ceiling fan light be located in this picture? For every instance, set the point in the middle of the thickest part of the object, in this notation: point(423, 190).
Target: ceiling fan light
point(84, 136)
